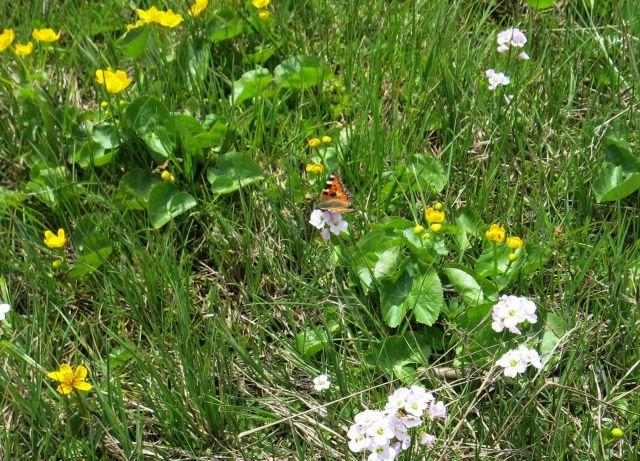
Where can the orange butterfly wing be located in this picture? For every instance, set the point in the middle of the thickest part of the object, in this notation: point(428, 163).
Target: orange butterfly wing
point(335, 197)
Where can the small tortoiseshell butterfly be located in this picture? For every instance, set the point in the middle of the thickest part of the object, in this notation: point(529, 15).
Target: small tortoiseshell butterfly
point(335, 197)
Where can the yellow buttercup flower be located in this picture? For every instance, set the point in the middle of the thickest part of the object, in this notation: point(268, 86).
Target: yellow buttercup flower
point(113, 81)
point(418, 229)
point(169, 19)
point(166, 176)
point(514, 243)
point(314, 142)
point(264, 15)
point(260, 3)
point(70, 379)
point(150, 15)
point(512, 257)
point(496, 233)
point(55, 241)
point(198, 7)
point(435, 227)
point(434, 217)
point(45, 35)
point(326, 139)
point(24, 49)
point(438, 206)
point(6, 39)
point(57, 264)
point(315, 168)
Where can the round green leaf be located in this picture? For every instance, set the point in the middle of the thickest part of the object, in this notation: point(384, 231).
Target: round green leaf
point(151, 121)
point(541, 4)
point(251, 84)
point(166, 202)
point(301, 72)
point(233, 172)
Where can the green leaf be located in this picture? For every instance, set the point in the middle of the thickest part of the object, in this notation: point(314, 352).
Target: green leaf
point(618, 152)
point(400, 350)
point(613, 184)
point(426, 298)
point(429, 171)
point(151, 121)
point(541, 4)
point(134, 42)
point(233, 172)
point(100, 149)
point(250, 85)
point(485, 264)
point(260, 56)
point(135, 187)
point(225, 26)
point(121, 355)
point(301, 72)
point(166, 202)
point(95, 248)
point(554, 329)
point(378, 256)
point(473, 289)
point(392, 299)
point(312, 341)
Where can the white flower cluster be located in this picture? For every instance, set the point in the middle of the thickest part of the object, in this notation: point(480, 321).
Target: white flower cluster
point(328, 222)
point(516, 361)
point(510, 311)
point(386, 433)
point(512, 38)
point(506, 39)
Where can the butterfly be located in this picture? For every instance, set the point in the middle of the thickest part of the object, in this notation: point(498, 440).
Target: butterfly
point(335, 197)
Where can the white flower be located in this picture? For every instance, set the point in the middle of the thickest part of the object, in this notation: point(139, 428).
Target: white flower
point(4, 308)
point(419, 390)
point(367, 417)
point(437, 410)
point(411, 421)
point(513, 363)
point(317, 219)
point(358, 440)
point(528, 308)
point(398, 399)
point(523, 56)
point(321, 383)
point(513, 37)
point(507, 313)
point(426, 439)
point(415, 405)
point(382, 454)
point(503, 48)
point(496, 79)
point(328, 222)
point(531, 356)
point(380, 432)
point(406, 442)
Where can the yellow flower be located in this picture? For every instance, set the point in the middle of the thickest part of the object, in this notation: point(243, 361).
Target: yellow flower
point(512, 257)
point(315, 168)
point(104, 104)
point(264, 15)
point(432, 216)
point(45, 35)
point(314, 142)
point(326, 139)
point(166, 176)
point(70, 379)
point(418, 229)
point(496, 233)
point(260, 3)
point(115, 82)
point(617, 433)
point(6, 39)
point(56, 264)
point(438, 206)
point(435, 227)
point(169, 18)
point(24, 50)
point(514, 243)
point(198, 7)
point(150, 15)
point(55, 241)
point(426, 235)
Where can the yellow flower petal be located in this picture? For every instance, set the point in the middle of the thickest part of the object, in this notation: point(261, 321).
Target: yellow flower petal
point(24, 49)
point(80, 373)
point(45, 35)
point(64, 388)
point(82, 386)
point(260, 3)
point(58, 376)
point(6, 39)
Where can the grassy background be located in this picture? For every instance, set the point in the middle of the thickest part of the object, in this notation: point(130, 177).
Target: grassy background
point(210, 304)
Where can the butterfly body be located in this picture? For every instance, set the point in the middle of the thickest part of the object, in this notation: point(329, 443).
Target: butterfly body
point(335, 197)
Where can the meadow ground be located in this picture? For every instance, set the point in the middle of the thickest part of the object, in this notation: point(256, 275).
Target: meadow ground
point(183, 159)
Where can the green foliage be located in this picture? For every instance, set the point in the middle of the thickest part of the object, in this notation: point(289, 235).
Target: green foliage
point(620, 174)
point(234, 171)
